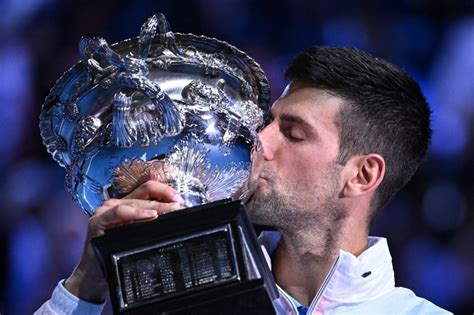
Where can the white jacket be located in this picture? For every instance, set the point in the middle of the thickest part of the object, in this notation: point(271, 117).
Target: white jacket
point(357, 285)
point(354, 285)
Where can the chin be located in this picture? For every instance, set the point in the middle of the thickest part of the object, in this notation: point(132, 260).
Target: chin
point(248, 203)
point(254, 198)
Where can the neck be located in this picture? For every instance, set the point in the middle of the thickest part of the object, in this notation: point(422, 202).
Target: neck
point(302, 260)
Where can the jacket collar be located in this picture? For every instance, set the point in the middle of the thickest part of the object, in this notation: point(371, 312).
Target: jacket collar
point(353, 279)
point(365, 277)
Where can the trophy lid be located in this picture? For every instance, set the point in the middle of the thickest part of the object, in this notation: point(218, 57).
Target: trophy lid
point(158, 95)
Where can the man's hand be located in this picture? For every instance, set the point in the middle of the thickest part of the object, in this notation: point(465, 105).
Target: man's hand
point(146, 202)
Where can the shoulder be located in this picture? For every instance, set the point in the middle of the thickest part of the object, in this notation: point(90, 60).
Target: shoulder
point(397, 301)
point(404, 301)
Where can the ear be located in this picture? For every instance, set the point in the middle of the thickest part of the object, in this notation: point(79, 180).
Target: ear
point(363, 175)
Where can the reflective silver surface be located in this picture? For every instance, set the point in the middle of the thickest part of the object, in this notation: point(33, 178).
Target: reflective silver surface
point(180, 107)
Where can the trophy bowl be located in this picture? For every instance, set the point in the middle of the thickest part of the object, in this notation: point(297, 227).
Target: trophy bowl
point(184, 110)
point(191, 102)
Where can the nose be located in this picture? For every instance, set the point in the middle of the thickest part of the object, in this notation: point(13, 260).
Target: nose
point(267, 140)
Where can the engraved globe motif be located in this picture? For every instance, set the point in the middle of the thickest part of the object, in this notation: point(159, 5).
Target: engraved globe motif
point(180, 108)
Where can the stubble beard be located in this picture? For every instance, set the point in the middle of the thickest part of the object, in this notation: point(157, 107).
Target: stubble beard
point(303, 209)
point(269, 208)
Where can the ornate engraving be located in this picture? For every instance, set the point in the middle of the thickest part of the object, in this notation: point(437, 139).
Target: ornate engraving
point(148, 94)
point(60, 143)
point(86, 129)
point(68, 182)
point(71, 111)
point(191, 173)
point(208, 101)
point(124, 131)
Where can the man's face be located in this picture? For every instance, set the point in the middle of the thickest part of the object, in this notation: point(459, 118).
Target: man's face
point(296, 177)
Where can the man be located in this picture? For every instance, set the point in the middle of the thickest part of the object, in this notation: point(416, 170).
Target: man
point(347, 133)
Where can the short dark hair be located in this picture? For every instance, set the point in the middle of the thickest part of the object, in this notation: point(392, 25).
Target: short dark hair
point(385, 110)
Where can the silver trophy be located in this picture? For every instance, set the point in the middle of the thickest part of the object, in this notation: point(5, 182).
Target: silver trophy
point(185, 110)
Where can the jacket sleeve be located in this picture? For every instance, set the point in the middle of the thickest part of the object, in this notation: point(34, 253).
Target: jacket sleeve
point(62, 302)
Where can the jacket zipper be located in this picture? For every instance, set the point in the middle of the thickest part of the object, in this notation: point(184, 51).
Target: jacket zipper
point(318, 295)
point(321, 290)
point(288, 299)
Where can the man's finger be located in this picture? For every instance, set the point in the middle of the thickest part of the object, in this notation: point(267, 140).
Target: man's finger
point(121, 214)
point(135, 210)
point(154, 190)
point(137, 203)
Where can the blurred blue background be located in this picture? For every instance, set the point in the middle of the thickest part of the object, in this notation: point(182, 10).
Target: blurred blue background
point(430, 225)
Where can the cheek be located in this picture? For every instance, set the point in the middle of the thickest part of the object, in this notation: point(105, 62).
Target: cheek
point(307, 174)
point(300, 171)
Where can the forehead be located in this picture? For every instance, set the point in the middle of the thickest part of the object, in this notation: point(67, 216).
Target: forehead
point(315, 106)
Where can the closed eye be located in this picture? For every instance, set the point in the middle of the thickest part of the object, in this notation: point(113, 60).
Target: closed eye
point(295, 128)
point(293, 134)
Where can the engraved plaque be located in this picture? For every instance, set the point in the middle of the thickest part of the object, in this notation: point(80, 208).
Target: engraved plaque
point(200, 260)
point(167, 269)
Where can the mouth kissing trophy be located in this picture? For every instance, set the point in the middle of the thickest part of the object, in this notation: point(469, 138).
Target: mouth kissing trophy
point(182, 109)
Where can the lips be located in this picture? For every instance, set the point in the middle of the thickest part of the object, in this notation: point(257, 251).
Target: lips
point(265, 174)
point(263, 177)
point(261, 173)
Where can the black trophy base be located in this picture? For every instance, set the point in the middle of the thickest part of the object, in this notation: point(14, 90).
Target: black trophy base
point(200, 260)
point(247, 298)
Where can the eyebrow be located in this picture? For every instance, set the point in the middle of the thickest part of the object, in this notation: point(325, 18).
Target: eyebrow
point(285, 117)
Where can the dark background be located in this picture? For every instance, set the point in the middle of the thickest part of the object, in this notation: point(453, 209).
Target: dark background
point(430, 225)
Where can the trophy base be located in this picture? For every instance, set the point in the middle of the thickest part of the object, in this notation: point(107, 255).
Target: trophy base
point(200, 260)
point(248, 298)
